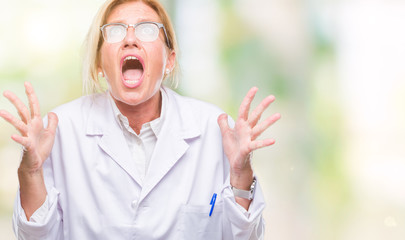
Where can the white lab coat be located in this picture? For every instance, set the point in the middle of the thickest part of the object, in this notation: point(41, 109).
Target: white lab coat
point(93, 194)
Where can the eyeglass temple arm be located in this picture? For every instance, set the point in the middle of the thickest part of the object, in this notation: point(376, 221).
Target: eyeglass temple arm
point(167, 39)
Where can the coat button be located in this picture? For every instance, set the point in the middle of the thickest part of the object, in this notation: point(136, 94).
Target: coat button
point(134, 204)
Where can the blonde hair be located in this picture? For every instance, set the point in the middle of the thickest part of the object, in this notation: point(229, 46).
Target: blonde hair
point(94, 41)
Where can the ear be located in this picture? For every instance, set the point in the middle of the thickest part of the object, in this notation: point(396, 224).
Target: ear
point(171, 59)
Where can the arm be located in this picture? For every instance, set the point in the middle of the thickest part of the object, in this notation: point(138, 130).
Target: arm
point(241, 141)
point(37, 143)
point(244, 216)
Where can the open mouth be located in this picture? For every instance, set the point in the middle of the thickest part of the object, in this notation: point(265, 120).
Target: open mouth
point(132, 70)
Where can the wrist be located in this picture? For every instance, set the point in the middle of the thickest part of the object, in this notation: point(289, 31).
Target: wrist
point(29, 166)
point(242, 179)
point(242, 167)
point(30, 172)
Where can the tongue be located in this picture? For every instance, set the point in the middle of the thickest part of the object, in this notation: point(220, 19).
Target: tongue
point(132, 74)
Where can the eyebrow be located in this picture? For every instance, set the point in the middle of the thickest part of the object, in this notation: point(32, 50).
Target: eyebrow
point(139, 20)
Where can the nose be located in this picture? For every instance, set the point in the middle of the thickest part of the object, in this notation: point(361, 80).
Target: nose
point(130, 39)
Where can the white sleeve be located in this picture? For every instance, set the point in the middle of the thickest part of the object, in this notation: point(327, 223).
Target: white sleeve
point(45, 223)
point(243, 224)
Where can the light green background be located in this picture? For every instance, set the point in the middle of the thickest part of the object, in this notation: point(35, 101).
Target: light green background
point(337, 170)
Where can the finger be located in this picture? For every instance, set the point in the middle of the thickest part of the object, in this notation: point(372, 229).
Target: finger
point(223, 123)
point(261, 144)
point(52, 122)
point(17, 123)
point(260, 128)
point(33, 100)
point(19, 105)
point(245, 105)
point(21, 140)
point(257, 112)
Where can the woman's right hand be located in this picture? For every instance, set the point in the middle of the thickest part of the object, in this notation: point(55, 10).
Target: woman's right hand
point(36, 140)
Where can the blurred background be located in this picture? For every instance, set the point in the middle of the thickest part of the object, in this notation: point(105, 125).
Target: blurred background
point(337, 170)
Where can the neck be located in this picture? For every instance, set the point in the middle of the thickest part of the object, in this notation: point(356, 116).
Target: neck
point(142, 113)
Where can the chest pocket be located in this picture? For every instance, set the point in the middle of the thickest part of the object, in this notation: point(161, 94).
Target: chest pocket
point(195, 222)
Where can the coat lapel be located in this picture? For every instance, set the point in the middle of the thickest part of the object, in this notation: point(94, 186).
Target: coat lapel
point(178, 125)
point(114, 144)
point(102, 122)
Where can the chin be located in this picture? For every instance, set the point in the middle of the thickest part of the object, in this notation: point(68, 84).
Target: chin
point(132, 99)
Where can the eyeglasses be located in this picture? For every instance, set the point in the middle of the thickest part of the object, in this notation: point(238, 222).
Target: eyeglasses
point(144, 31)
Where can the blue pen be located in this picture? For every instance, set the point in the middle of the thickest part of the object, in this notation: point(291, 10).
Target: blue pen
point(214, 197)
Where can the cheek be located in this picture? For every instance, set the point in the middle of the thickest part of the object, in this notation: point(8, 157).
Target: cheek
point(107, 59)
point(159, 58)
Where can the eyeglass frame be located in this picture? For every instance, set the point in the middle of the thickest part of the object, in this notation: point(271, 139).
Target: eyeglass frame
point(159, 25)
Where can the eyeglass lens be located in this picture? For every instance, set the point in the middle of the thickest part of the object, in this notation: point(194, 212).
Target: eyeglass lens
point(146, 32)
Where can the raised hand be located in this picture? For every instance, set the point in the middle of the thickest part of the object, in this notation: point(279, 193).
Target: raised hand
point(239, 142)
point(37, 142)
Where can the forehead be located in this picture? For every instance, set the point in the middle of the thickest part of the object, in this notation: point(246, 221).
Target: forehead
point(133, 12)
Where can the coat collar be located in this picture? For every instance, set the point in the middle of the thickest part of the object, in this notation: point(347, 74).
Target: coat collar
point(178, 125)
point(179, 114)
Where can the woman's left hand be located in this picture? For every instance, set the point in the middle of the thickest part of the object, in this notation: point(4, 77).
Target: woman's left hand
point(239, 142)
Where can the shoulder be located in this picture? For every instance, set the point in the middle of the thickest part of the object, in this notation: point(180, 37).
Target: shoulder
point(198, 107)
point(79, 109)
point(203, 113)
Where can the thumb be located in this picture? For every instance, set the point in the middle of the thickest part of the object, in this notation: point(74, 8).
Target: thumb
point(52, 122)
point(223, 122)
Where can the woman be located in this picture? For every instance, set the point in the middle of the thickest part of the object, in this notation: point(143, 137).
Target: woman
point(137, 161)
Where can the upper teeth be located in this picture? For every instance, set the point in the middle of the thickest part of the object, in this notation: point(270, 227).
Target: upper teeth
point(130, 58)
